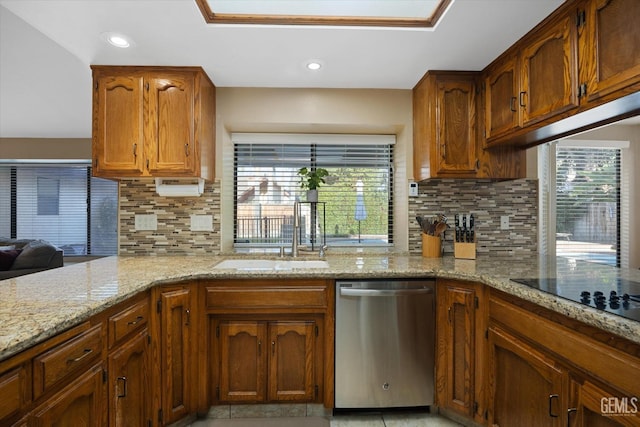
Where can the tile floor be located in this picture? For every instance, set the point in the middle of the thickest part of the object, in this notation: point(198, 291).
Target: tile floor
point(374, 420)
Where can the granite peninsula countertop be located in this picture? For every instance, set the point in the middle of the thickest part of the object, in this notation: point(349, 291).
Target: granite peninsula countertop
point(38, 306)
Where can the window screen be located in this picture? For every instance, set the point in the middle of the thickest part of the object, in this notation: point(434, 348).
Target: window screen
point(355, 202)
point(60, 204)
point(588, 203)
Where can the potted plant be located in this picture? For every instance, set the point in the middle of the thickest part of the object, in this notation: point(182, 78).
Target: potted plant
point(310, 180)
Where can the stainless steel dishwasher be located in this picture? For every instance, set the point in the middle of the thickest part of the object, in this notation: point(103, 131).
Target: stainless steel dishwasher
point(385, 340)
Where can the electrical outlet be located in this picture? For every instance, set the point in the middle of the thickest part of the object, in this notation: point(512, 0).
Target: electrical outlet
point(146, 222)
point(504, 222)
point(201, 222)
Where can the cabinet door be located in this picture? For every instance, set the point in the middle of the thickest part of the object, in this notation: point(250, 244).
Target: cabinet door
point(170, 130)
point(526, 388)
point(291, 361)
point(501, 102)
point(455, 139)
point(456, 347)
point(610, 58)
point(129, 383)
point(118, 140)
point(243, 361)
point(175, 351)
point(15, 391)
point(81, 403)
point(549, 73)
point(593, 406)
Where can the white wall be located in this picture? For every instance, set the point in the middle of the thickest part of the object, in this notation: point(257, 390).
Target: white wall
point(315, 111)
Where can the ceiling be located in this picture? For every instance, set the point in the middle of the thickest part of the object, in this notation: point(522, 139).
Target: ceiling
point(46, 48)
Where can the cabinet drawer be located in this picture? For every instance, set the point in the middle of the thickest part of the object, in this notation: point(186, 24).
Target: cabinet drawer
point(231, 296)
point(128, 321)
point(14, 391)
point(69, 357)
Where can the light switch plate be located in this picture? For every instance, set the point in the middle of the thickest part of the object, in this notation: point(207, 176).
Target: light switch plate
point(201, 222)
point(146, 222)
point(413, 189)
point(504, 222)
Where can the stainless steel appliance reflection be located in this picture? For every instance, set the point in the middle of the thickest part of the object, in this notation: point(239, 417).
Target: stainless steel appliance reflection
point(385, 339)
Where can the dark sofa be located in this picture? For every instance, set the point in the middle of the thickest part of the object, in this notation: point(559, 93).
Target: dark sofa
point(24, 256)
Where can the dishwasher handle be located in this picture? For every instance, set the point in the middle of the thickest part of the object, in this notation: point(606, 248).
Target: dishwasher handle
point(364, 292)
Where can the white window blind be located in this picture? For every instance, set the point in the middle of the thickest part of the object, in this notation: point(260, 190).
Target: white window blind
point(588, 203)
point(356, 201)
point(60, 204)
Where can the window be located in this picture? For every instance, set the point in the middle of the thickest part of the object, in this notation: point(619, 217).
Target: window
point(48, 196)
point(355, 202)
point(586, 200)
point(61, 204)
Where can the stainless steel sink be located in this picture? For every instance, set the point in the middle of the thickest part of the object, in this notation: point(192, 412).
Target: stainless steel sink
point(269, 264)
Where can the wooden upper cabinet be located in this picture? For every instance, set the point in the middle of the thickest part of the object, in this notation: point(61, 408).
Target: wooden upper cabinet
point(609, 47)
point(170, 137)
point(534, 81)
point(153, 121)
point(444, 131)
point(118, 138)
point(446, 115)
point(501, 83)
point(549, 72)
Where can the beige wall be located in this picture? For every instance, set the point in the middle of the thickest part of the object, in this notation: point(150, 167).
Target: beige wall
point(45, 148)
point(315, 111)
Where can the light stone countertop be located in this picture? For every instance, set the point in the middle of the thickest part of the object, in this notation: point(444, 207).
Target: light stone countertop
point(38, 306)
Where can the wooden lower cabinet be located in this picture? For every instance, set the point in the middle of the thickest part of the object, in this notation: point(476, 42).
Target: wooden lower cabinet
point(260, 361)
point(526, 388)
point(81, 403)
point(594, 405)
point(175, 353)
point(549, 370)
point(460, 355)
point(128, 383)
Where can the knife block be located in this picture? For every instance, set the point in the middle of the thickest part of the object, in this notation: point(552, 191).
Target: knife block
point(464, 250)
point(431, 246)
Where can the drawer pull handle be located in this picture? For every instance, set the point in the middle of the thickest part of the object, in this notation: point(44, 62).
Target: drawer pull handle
point(512, 104)
point(273, 347)
point(551, 397)
point(188, 319)
point(522, 94)
point(186, 150)
point(124, 387)
point(135, 322)
point(569, 411)
point(87, 351)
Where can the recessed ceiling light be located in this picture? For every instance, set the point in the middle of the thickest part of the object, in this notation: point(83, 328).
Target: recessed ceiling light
point(314, 65)
point(117, 40)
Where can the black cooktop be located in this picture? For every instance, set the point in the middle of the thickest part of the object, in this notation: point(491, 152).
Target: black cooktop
point(614, 295)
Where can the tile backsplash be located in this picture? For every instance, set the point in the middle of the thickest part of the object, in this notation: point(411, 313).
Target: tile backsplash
point(488, 201)
point(173, 235)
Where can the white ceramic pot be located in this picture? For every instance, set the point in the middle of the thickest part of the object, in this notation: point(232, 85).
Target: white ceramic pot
point(312, 195)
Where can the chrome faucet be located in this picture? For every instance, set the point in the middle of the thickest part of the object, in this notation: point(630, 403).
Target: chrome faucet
point(296, 229)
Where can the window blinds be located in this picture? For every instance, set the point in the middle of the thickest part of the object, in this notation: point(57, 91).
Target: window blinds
point(588, 189)
point(60, 204)
point(357, 199)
